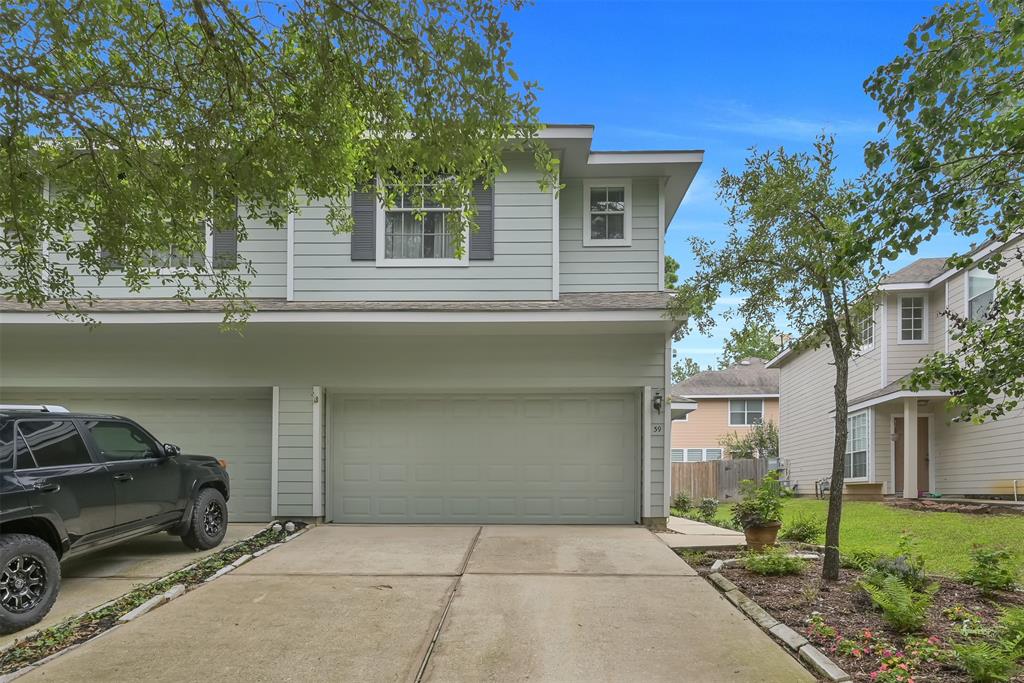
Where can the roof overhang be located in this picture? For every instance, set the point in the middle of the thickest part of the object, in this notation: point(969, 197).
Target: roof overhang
point(698, 397)
point(676, 169)
point(681, 407)
point(896, 396)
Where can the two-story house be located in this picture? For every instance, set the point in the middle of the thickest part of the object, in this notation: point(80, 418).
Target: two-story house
point(381, 379)
point(728, 401)
point(937, 454)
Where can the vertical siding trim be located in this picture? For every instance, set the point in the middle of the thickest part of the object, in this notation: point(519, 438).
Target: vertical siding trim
point(666, 410)
point(318, 454)
point(290, 264)
point(555, 239)
point(275, 457)
point(662, 234)
point(884, 357)
point(645, 439)
point(945, 333)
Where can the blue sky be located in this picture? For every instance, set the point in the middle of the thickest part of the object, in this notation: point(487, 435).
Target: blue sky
point(718, 76)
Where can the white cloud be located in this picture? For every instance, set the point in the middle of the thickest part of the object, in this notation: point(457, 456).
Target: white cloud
point(736, 117)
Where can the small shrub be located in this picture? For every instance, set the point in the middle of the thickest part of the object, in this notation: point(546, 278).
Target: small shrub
point(906, 565)
point(991, 570)
point(773, 562)
point(819, 630)
point(682, 502)
point(968, 624)
point(985, 662)
point(862, 560)
point(803, 529)
point(1010, 631)
point(760, 503)
point(708, 508)
point(903, 608)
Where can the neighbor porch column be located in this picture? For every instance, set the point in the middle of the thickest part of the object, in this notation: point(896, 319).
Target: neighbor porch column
point(910, 487)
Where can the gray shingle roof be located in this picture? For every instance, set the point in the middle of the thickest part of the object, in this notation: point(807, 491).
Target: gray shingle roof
point(921, 270)
point(598, 301)
point(890, 388)
point(749, 376)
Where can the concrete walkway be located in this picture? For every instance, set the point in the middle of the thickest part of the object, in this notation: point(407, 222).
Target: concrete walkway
point(455, 603)
point(91, 580)
point(693, 535)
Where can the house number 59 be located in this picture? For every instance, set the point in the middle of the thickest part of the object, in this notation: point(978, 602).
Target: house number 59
point(657, 428)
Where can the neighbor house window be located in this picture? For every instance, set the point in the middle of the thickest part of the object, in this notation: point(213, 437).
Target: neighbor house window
point(913, 318)
point(607, 207)
point(981, 290)
point(418, 228)
point(744, 412)
point(678, 455)
point(855, 465)
point(867, 332)
point(697, 454)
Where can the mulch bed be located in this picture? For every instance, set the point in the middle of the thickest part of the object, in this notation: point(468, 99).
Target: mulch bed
point(924, 505)
point(844, 606)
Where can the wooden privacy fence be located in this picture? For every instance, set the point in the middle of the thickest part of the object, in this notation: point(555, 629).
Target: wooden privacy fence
point(716, 478)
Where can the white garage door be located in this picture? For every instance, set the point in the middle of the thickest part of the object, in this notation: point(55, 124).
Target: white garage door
point(231, 424)
point(569, 459)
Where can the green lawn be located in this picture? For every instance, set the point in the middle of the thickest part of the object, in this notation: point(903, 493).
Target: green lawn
point(944, 538)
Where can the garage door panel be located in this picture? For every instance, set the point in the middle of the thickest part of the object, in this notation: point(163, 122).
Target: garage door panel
point(234, 425)
point(517, 459)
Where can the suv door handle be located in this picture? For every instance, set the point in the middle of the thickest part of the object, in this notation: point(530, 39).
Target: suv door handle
point(46, 486)
point(123, 476)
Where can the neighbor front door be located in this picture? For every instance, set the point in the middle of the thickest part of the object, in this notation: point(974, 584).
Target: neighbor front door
point(922, 454)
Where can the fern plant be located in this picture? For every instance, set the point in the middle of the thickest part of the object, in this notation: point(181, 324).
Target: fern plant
point(902, 607)
point(986, 662)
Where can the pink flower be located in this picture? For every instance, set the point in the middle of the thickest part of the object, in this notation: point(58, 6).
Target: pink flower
point(857, 652)
point(884, 667)
point(867, 634)
point(874, 675)
point(903, 666)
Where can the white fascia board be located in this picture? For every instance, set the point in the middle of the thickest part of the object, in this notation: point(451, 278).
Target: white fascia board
point(566, 131)
point(782, 354)
point(646, 157)
point(698, 397)
point(928, 393)
point(185, 317)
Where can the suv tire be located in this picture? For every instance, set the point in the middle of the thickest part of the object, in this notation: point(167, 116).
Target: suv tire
point(209, 521)
point(29, 580)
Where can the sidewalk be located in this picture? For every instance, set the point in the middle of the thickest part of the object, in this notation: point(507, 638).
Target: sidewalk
point(693, 535)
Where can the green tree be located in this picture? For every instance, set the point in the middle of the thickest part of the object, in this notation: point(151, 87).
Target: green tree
point(793, 245)
point(953, 155)
point(753, 340)
point(686, 368)
point(762, 441)
point(140, 122)
point(671, 272)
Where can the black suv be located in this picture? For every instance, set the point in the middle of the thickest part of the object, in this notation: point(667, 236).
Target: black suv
point(74, 482)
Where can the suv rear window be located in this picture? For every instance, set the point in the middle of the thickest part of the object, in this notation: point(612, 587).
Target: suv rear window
point(6, 445)
point(51, 443)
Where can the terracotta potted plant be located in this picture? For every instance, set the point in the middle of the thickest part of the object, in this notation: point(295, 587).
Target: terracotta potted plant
point(759, 511)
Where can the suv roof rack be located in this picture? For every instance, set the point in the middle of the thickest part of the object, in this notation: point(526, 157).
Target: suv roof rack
point(40, 407)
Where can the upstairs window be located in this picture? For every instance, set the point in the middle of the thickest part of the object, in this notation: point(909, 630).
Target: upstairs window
point(607, 207)
point(981, 290)
point(418, 228)
point(913, 319)
point(744, 412)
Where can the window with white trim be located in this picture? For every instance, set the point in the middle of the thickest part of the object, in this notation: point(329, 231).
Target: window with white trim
point(913, 318)
point(607, 209)
point(743, 412)
point(418, 228)
point(866, 330)
point(697, 454)
point(981, 290)
point(855, 464)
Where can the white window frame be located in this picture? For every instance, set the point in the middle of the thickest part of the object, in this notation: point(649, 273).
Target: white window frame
point(703, 454)
point(745, 412)
point(383, 262)
point(680, 452)
point(627, 217)
point(868, 323)
point(924, 318)
point(207, 256)
point(868, 452)
point(967, 290)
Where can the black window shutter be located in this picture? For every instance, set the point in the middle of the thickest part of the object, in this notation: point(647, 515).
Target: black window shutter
point(481, 241)
point(364, 231)
point(225, 240)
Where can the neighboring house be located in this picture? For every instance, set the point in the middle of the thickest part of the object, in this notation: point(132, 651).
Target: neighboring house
point(383, 380)
point(939, 456)
point(727, 401)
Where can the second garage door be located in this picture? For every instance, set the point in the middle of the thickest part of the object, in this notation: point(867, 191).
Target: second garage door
point(531, 458)
point(231, 424)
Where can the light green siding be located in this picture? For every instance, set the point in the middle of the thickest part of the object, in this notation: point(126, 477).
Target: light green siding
point(521, 269)
point(609, 269)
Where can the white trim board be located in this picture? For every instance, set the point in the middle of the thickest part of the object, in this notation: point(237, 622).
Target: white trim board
point(318, 452)
point(275, 440)
point(556, 237)
point(927, 393)
point(645, 440)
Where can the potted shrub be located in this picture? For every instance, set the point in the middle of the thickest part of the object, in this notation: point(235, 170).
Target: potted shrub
point(759, 512)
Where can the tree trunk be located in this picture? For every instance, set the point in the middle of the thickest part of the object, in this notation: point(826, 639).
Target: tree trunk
point(830, 568)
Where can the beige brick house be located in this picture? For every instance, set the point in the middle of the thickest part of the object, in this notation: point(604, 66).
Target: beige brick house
point(727, 401)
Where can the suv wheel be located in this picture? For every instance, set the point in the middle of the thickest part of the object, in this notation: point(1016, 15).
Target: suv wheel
point(209, 521)
point(29, 580)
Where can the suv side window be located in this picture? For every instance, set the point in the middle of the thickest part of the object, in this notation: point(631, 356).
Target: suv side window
point(51, 443)
point(7, 445)
point(121, 441)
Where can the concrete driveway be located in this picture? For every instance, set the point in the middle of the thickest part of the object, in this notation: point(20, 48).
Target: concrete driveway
point(444, 603)
point(91, 580)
